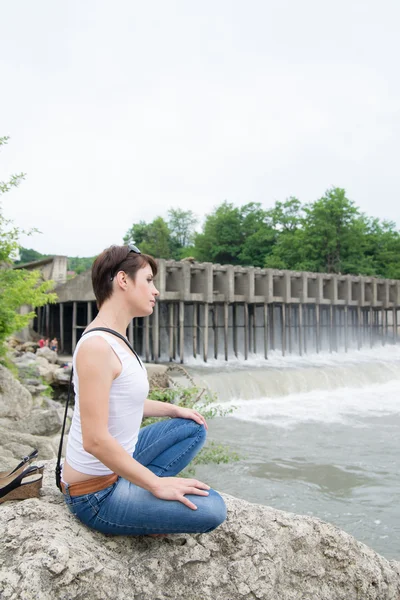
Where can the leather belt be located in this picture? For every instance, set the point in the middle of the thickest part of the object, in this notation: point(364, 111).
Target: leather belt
point(89, 486)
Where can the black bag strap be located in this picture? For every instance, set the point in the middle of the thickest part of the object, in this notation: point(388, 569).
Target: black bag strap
point(121, 337)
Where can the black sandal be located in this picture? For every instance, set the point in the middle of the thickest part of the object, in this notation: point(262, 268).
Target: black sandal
point(19, 468)
point(24, 485)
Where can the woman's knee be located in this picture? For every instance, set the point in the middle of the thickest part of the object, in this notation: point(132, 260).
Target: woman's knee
point(193, 428)
point(214, 509)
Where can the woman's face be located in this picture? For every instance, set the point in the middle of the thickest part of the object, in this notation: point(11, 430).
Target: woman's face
point(144, 292)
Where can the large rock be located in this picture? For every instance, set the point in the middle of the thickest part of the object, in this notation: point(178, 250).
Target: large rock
point(43, 422)
point(258, 552)
point(50, 355)
point(14, 444)
point(62, 375)
point(15, 400)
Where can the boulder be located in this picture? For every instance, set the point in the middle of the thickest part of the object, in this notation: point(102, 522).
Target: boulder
point(15, 400)
point(50, 355)
point(14, 444)
point(37, 389)
point(259, 552)
point(44, 422)
point(48, 371)
point(62, 375)
point(29, 346)
point(27, 366)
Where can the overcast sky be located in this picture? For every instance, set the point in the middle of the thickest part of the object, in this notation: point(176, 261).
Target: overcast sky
point(120, 110)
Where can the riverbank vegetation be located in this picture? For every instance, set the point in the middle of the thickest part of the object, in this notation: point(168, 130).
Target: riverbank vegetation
point(203, 400)
point(18, 287)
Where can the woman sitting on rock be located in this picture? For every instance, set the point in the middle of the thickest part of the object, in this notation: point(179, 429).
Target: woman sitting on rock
point(118, 478)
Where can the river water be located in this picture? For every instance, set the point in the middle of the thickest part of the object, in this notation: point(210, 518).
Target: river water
point(317, 435)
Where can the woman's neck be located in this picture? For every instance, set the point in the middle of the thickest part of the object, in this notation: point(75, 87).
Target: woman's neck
point(112, 320)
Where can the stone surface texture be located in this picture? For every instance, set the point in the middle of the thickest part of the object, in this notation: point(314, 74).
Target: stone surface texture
point(15, 400)
point(258, 552)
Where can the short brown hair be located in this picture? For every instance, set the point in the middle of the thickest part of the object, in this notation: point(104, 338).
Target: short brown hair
point(122, 259)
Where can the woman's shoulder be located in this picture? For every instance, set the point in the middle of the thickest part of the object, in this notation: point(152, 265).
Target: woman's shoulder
point(92, 344)
point(94, 355)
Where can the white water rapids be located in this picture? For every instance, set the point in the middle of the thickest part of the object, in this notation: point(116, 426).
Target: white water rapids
point(317, 435)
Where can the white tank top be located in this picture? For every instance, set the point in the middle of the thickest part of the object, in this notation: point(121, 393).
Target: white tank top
point(127, 395)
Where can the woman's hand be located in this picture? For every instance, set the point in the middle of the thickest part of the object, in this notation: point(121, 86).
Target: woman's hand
point(189, 413)
point(175, 488)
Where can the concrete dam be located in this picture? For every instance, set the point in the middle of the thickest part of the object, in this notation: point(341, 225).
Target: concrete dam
point(217, 311)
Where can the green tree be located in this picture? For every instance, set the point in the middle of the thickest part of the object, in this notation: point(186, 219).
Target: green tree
point(286, 216)
point(18, 287)
point(153, 238)
point(328, 235)
point(221, 238)
point(79, 264)
point(236, 235)
point(333, 233)
point(182, 225)
point(382, 249)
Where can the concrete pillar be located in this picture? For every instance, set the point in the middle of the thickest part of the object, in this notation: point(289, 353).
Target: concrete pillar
point(371, 327)
point(317, 328)
point(195, 326)
point(246, 330)
point(265, 307)
point(230, 284)
point(308, 317)
point(234, 332)
point(160, 280)
point(251, 329)
point(61, 308)
point(215, 330)
point(359, 328)
point(209, 283)
point(226, 329)
point(272, 324)
point(181, 331)
point(198, 308)
point(283, 328)
point(74, 316)
point(346, 329)
point(156, 332)
point(175, 330)
point(147, 338)
point(300, 326)
point(289, 309)
point(254, 329)
point(171, 331)
point(89, 313)
point(205, 333)
point(130, 333)
point(250, 285)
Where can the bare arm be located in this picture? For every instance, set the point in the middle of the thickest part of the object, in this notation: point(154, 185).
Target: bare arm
point(97, 367)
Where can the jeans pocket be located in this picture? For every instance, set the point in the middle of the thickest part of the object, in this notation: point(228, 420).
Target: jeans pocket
point(103, 494)
point(75, 503)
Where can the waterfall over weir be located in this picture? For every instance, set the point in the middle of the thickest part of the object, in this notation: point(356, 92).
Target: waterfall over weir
point(238, 381)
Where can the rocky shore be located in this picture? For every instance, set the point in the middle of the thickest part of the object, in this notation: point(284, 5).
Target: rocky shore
point(259, 552)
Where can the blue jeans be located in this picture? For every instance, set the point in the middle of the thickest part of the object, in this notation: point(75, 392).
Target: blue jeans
point(124, 508)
